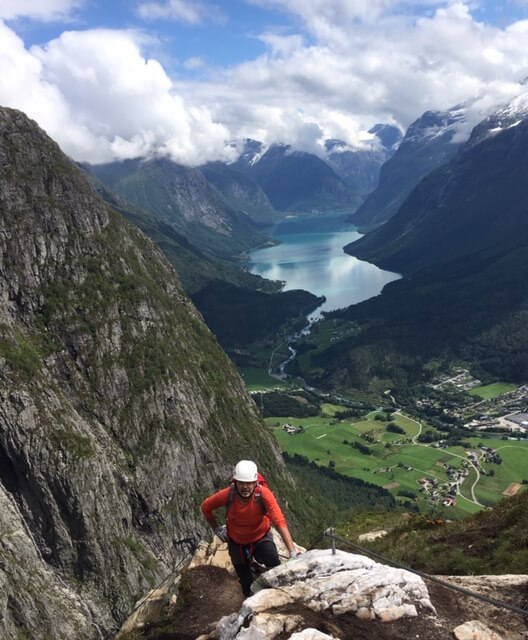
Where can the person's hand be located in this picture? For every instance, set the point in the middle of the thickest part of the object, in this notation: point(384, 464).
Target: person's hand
point(294, 554)
point(221, 532)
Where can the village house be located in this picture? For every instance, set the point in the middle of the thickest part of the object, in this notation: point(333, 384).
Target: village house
point(291, 429)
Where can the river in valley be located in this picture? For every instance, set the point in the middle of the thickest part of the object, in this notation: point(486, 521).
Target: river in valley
point(310, 256)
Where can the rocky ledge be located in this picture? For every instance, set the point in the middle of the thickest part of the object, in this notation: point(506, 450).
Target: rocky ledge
point(322, 595)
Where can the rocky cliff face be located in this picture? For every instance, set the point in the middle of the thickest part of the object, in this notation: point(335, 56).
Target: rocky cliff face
point(429, 142)
point(118, 410)
point(183, 198)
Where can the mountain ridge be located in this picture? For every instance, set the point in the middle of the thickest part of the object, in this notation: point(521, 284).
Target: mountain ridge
point(183, 198)
point(298, 181)
point(428, 143)
point(338, 178)
point(118, 409)
point(459, 239)
point(466, 192)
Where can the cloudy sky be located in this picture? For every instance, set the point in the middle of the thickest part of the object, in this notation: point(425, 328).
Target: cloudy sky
point(111, 79)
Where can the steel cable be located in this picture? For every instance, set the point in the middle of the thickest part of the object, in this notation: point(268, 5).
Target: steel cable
point(426, 576)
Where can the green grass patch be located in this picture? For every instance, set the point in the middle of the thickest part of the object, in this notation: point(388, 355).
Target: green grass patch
point(21, 353)
point(494, 390)
point(489, 542)
point(76, 444)
point(328, 409)
point(395, 462)
point(260, 380)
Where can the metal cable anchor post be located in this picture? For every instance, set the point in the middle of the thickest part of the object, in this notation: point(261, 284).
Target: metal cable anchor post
point(331, 534)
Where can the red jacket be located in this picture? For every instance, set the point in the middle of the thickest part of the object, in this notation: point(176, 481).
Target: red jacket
point(246, 523)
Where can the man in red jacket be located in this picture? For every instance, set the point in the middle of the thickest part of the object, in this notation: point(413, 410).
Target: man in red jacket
point(251, 510)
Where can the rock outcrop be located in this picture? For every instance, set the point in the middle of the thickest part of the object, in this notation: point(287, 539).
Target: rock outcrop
point(342, 596)
point(320, 581)
point(118, 409)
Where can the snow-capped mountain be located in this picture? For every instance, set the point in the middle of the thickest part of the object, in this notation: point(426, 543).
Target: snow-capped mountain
point(473, 208)
point(296, 181)
point(250, 151)
point(339, 178)
point(460, 239)
point(505, 117)
point(430, 141)
point(360, 167)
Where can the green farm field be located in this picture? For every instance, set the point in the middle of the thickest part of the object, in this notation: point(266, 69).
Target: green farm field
point(396, 463)
point(488, 391)
point(512, 470)
point(259, 379)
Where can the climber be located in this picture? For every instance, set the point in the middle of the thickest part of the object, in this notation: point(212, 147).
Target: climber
point(251, 509)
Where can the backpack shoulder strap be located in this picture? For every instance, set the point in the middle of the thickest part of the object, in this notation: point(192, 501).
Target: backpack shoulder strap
point(259, 499)
point(231, 496)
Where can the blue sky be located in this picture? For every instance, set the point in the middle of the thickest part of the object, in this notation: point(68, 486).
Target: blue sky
point(127, 78)
point(223, 34)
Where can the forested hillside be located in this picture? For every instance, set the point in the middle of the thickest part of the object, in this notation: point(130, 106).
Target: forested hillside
point(494, 541)
point(239, 316)
point(331, 498)
point(461, 240)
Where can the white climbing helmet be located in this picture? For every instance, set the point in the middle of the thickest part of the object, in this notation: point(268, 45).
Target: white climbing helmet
point(245, 471)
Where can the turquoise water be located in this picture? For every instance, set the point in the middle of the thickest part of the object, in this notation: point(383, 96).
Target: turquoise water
point(310, 256)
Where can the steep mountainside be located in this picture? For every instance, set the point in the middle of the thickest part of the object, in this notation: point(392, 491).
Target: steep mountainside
point(235, 303)
point(428, 143)
point(474, 208)
point(461, 238)
point(295, 180)
point(184, 199)
point(360, 168)
point(194, 268)
point(241, 193)
point(118, 410)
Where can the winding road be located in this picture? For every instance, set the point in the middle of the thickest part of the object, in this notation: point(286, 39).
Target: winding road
point(456, 455)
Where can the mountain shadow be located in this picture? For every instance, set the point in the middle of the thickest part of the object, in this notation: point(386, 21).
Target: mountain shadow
point(461, 241)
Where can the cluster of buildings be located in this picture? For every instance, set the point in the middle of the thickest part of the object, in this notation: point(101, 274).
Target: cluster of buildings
point(507, 412)
point(517, 421)
point(291, 429)
point(447, 491)
point(460, 378)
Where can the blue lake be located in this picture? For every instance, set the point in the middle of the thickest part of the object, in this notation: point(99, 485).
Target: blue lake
point(310, 256)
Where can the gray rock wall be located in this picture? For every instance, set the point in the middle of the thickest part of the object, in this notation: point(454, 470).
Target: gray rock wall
point(118, 409)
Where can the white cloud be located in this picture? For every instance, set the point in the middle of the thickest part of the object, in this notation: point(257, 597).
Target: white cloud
point(357, 73)
point(338, 72)
point(96, 95)
point(194, 63)
point(322, 17)
point(181, 11)
point(45, 10)
point(21, 85)
point(281, 45)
